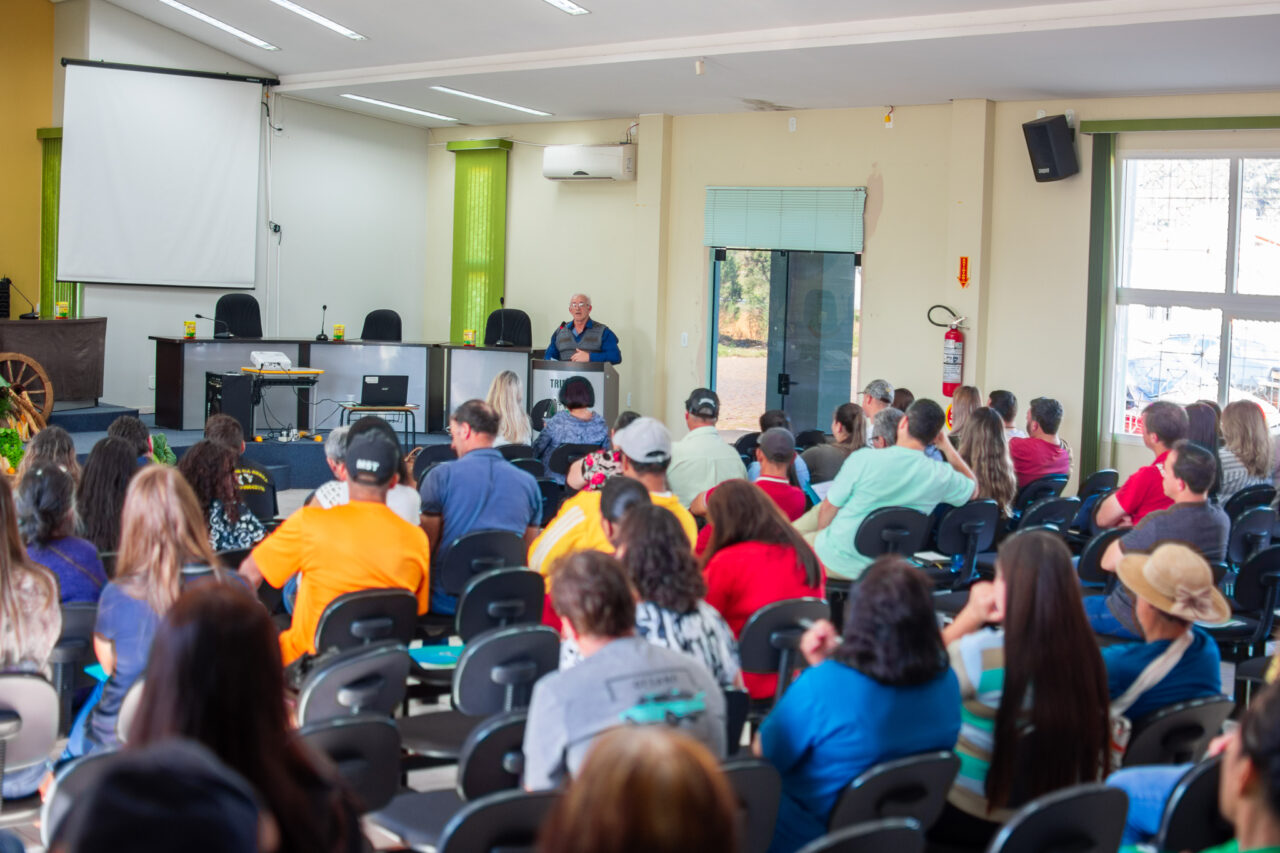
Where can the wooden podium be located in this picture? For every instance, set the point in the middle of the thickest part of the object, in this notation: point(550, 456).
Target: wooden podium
point(546, 377)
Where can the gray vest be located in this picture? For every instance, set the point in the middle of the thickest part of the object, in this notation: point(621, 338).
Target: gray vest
point(592, 337)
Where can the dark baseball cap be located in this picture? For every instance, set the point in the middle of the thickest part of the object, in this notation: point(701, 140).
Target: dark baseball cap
point(371, 460)
point(777, 443)
point(704, 403)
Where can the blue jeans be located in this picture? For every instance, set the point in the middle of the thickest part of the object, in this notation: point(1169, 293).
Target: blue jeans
point(289, 593)
point(1103, 622)
point(1149, 789)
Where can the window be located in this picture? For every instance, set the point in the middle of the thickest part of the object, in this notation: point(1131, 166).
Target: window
point(1198, 290)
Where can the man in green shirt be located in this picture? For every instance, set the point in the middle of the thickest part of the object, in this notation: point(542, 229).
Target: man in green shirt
point(702, 459)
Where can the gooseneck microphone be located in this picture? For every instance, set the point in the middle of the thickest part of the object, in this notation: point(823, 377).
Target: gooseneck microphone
point(502, 324)
point(216, 321)
point(322, 336)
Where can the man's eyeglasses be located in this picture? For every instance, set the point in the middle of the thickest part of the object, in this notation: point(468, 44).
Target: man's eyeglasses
point(573, 305)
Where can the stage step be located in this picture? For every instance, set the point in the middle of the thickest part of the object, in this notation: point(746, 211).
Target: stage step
point(90, 419)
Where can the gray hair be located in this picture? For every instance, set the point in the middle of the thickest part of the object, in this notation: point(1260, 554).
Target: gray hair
point(585, 297)
point(879, 389)
point(885, 425)
point(335, 446)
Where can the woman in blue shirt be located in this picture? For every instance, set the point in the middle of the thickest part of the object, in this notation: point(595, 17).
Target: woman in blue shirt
point(47, 519)
point(884, 690)
point(578, 424)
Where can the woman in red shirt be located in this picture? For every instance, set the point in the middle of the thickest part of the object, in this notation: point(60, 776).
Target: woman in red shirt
point(755, 558)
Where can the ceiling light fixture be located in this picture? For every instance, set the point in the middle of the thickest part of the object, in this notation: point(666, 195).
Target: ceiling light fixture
point(568, 6)
point(496, 103)
point(222, 25)
point(319, 19)
point(400, 107)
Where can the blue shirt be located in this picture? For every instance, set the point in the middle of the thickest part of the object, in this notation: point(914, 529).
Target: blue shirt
point(130, 624)
point(832, 724)
point(75, 563)
point(609, 350)
point(564, 428)
point(1197, 674)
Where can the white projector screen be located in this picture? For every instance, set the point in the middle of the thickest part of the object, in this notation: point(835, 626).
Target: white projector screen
point(159, 179)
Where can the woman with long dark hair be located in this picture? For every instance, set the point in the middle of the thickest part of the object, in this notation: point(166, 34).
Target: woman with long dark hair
point(210, 469)
point(755, 557)
point(849, 428)
point(47, 520)
point(1040, 670)
point(884, 690)
point(215, 677)
point(100, 498)
point(984, 445)
point(1204, 427)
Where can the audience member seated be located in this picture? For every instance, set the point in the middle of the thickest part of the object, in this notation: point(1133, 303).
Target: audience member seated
point(100, 497)
point(896, 476)
point(506, 398)
point(1040, 452)
point(884, 429)
point(702, 458)
point(1005, 405)
point(52, 445)
point(848, 427)
point(358, 545)
point(754, 558)
point(774, 454)
point(902, 399)
point(882, 691)
point(1204, 427)
point(876, 397)
point(161, 530)
point(1192, 520)
point(215, 678)
point(252, 479)
point(30, 621)
point(670, 610)
point(591, 471)
point(402, 498)
point(623, 679)
point(645, 790)
point(965, 400)
point(778, 419)
point(1024, 655)
point(577, 424)
point(135, 432)
point(47, 521)
point(646, 452)
point(1246, 449)
point(1163, 425)
point(480, 491)
point(985, 449)
point(210, 469)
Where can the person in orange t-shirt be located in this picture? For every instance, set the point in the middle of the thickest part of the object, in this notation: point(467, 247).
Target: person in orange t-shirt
point(359, 545)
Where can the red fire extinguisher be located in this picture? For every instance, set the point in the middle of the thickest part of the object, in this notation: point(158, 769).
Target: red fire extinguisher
point(952, 351)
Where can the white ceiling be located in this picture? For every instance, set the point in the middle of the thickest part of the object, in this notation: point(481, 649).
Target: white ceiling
point(629, 58)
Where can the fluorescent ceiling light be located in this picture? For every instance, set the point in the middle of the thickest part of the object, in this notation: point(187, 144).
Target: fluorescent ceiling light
point(568, 6)
point(462, 94)
point(222, 25)
point(319, 19)
point(400, 107)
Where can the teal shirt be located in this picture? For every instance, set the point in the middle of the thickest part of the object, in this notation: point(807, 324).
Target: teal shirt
point(871, 479)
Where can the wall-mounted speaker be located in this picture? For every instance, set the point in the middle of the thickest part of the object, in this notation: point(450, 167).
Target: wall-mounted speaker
point(1051, 144)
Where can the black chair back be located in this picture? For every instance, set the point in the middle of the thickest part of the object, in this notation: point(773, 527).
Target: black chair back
point(28, 720)
point(1084, 525)
point(746, 445)
point(758, 788)
point(367, 616)
point(1252, 590)
point(567, 454)
point(108, 559)
point(1089, 566)
point(1178, 733)
point(531, 466)
point(498, 598)
point(429, 455)
point(770, 641)
point(1081, 819)
point(497, 669)
point(381, 324)
point(892, 530)
point(1100, 482)
point(365, 749)
point(364, 679)
point(1051, 511)
point(1046, 487)
point(511, 452)
point(232, 559)
point(72, 781)
point(810, 438)
point(914, 787)
point(737, 705)
point(479, 551)
point(505, 822)
point(968, 529)
point(552, 497)
point(1250, 533)
point(1248, 497)
point(1191, 819)
point(891, 835)
point(540, 412)
point(492, 756)
point(72, 653)
point(240, 314)
point(263, 504)
point(510, 325)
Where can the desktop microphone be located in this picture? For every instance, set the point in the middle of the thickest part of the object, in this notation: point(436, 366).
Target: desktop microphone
point(6, 285)
point(502, 325)
point(216, 321)
point(322, 336)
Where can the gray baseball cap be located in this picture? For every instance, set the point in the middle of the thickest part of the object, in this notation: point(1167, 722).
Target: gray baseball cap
point(879, 389)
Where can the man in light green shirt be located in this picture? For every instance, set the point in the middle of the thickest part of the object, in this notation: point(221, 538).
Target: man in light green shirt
point(894, 476)
point(702, 459)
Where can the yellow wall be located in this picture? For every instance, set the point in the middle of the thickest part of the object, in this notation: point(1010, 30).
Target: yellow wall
point(26, 90)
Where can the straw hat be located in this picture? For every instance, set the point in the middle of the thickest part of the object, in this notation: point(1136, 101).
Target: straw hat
point(1177, 580)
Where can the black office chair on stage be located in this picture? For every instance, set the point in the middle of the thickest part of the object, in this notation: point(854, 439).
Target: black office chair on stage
point(382, 324)
point(237, 313)
point(509, 325)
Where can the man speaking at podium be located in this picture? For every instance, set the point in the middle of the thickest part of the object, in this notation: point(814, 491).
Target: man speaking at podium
point(583, 339)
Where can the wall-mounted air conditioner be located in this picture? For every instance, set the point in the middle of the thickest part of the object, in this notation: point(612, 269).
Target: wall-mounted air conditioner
point(589, 162)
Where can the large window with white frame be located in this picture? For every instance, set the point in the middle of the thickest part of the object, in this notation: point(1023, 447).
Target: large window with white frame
point(1198, 289)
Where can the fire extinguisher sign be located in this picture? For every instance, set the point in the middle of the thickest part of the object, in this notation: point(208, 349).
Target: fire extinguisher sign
point(963, 278)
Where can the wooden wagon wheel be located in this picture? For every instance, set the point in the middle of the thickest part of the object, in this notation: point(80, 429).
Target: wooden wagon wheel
point(25, 374)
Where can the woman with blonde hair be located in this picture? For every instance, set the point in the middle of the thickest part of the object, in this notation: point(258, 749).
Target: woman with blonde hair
point(51, 445)
point(161, 530)
point(1246, 450)
point(506, 396)
point(965, 400)
point(985, 447)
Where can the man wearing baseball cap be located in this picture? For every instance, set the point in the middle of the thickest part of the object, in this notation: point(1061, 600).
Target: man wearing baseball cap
point(702, 458)
point(646, 452)
point(359, 545)
point(876, 397)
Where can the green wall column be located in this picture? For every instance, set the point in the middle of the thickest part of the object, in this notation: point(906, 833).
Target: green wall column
point(479, 232)
point(53, 291)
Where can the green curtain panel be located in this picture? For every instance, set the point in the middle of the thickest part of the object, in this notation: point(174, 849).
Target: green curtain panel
point(1101, 264)
point(479, 232)
point(53, 291)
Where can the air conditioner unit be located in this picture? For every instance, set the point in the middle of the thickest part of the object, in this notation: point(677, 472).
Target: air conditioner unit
point(589, 162)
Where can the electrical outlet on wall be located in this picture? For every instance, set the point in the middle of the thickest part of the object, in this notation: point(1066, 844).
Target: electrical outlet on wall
point(151, 382)
point(684, 339)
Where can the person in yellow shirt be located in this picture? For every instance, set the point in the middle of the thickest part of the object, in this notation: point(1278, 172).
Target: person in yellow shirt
point(360, 545)
point(646, 453)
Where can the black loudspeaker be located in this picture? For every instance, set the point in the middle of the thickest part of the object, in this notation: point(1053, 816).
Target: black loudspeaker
point(230, 394)
point(1051, 144)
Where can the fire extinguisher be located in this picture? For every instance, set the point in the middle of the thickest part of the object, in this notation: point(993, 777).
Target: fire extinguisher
point(952, 350)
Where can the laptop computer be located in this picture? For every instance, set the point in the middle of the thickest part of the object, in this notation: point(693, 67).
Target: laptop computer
point(384, 391)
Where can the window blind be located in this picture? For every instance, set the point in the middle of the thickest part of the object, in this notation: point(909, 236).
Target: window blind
point(812, 219)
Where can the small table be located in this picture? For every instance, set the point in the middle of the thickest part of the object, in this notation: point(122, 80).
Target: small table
point(303, 378)
point(407, 415)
